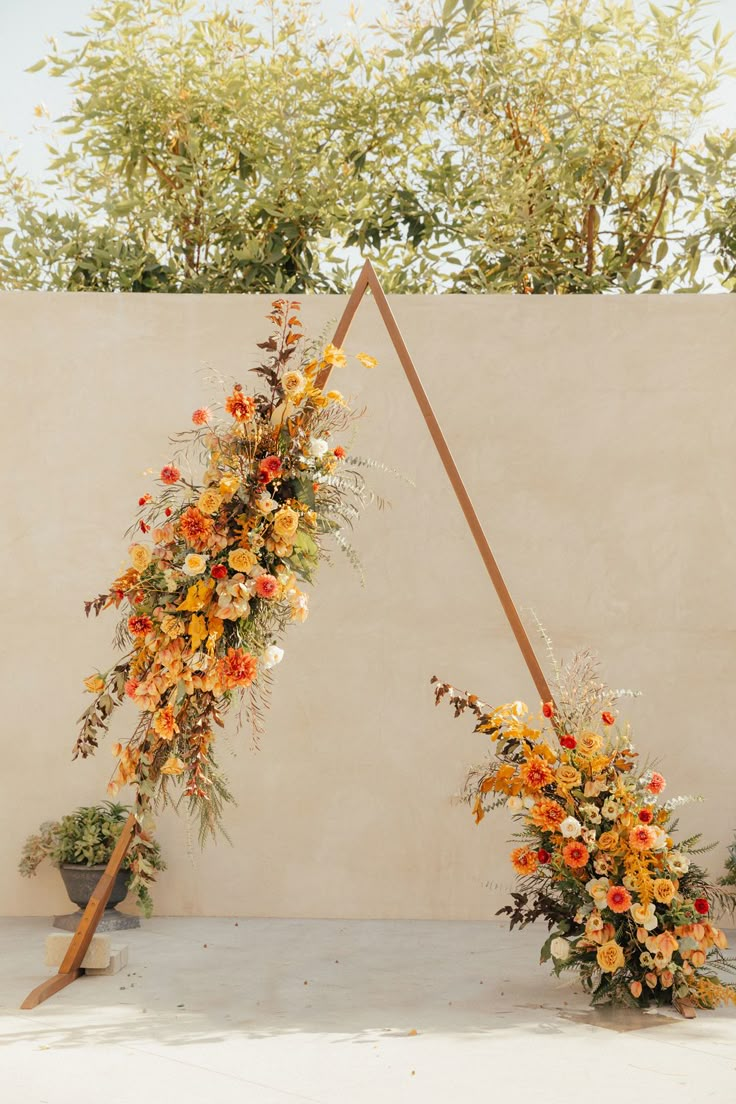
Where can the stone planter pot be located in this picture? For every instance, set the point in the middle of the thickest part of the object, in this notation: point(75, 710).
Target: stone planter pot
point(80, 882)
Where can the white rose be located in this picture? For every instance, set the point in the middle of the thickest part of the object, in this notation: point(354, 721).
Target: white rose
point(660, 838)
point(194, 564)
point(272, 656)
point(317, 447)
point(265, 503)
point(644, 917)
point(529, 802)
point(559, 949)
point(514, 803)
point(598, 889)
point(570, 827)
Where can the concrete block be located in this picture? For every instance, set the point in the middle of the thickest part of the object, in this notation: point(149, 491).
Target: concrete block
point(118, 959)
point(97, 956)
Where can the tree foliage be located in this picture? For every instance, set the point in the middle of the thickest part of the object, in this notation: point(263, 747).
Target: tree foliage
point(470, 145)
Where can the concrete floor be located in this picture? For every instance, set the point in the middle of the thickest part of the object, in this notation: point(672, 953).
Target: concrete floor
point(339, 1012)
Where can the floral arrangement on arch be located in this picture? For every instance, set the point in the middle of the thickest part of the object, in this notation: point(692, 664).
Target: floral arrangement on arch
point(215, 573)
point(595, 855)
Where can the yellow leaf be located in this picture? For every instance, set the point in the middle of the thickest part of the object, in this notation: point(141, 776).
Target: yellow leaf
point(198, 630)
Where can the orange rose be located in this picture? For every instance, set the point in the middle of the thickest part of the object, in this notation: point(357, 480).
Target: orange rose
point(608, 841)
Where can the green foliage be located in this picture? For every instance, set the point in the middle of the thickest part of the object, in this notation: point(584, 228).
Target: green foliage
point(730, 876)
point(85, 837)
point(467, 146)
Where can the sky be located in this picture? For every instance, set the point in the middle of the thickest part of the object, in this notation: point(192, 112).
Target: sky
point(25, 25)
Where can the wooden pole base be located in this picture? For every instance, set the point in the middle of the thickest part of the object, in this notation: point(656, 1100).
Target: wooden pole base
point(71, 966)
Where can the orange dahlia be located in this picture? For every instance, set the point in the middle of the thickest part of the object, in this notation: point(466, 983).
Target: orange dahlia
point(536, 773)
point(242, 407)
point(642, 837)
point(139, 625)
point(196, 528)
point(547, 814)
point(575, 854)
point(237, 668)
point(618, 899)
point(266, 586)
point(524, 861)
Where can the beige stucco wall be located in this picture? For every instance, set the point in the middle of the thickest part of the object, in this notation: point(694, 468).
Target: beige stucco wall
point(598, 440)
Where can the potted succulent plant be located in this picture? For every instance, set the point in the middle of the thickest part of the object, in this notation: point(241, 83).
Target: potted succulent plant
point(80, 845)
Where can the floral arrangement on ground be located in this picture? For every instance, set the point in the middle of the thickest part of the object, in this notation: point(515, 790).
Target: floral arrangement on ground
point(214, 575)
point(596, 856)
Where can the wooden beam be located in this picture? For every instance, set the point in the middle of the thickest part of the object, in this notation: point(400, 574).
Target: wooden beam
point(71, 966)
point(368, 280)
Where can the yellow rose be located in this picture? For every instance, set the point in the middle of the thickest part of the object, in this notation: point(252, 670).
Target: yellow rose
point(140, 556)
point(293, 383)
point(663, 890)
point(210, 501)
point(173, 765)
point(229, 485)
point(589, 743)
point(240, 559)
point(608, 841)
point(610, 957)
point(567, 776)
point(95, 684)
point(286, 522)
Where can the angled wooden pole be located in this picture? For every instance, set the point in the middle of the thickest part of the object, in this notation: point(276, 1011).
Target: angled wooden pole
point(369, 280)
point(70, 968)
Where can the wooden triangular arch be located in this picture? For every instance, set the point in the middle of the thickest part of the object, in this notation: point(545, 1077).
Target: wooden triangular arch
point(70, 968)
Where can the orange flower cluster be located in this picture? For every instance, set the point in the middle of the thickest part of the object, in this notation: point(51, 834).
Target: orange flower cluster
point(597, 850)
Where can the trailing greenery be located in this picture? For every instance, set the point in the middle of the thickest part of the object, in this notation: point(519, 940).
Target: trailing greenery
point(729, 878)
point(466, 146)
point(86, 837)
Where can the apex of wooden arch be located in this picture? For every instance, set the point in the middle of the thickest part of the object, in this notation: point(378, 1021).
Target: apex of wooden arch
point(70, 968)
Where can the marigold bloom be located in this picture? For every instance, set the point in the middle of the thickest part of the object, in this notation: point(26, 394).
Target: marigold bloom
point(201, 415)
point(642, 837)
point(170, 474)
point(701, 905)
point(568, 741)
point(219, 571)
point(618, 899)
point(547, 814)
point(139, 625)
point(645, 815)
point(266, 586)
point(241, 407)
point(196, 528)
point(524, 860)
point(607, 718)
point(339, 452)
point(237, 668)
point(575, 854)
point(536, 773)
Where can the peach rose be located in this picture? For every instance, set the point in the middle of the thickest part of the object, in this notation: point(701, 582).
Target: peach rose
point(589, 744)
point(567, 776)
